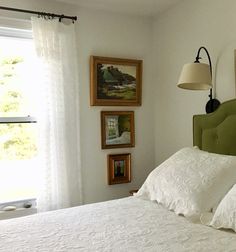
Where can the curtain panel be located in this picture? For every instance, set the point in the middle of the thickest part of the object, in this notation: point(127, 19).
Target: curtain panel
point(58, 115)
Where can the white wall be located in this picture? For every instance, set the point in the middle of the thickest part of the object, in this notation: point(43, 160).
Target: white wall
point(107, 34)
point(178, 34)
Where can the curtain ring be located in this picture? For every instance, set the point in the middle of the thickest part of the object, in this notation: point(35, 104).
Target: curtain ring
point(43, 15)
point(47, 15)
point(61, 17)
point(40, 15)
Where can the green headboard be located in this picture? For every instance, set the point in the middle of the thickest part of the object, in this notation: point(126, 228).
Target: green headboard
point(216, 132)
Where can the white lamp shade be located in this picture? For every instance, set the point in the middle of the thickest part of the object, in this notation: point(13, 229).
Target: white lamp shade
point(195, 76)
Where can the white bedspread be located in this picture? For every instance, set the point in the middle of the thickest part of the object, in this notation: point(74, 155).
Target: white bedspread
point(128, 224)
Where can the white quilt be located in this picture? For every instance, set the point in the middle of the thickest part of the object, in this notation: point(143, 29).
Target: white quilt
point(128, 224)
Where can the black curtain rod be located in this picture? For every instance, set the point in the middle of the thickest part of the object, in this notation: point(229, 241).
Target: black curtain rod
point(52, 15)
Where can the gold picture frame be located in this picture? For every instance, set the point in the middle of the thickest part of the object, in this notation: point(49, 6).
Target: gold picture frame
point(117, 129)
point(119, 168)
point(115, 81)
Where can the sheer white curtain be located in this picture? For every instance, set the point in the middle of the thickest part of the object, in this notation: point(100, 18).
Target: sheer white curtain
point(59, 152)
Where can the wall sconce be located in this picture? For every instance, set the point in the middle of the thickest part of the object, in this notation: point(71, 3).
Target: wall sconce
point(198, 76)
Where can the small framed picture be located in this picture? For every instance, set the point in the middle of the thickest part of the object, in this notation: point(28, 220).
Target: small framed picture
point(117, 129)
point(119, 168)
point(115, 82)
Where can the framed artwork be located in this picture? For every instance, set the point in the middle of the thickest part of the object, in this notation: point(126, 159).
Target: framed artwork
point(117, 129)
point(115, 82)
point(119, 168)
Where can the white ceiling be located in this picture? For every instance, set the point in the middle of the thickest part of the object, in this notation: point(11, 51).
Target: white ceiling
point(135, 7)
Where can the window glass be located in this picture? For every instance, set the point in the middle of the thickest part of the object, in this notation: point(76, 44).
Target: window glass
point(17, 72)
point(18, 141)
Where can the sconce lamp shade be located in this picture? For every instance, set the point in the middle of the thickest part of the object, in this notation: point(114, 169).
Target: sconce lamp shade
point(195, 76)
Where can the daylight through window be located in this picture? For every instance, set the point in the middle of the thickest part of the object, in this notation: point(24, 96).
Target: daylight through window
point(18, 125)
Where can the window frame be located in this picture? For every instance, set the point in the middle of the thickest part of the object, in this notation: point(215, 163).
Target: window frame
point(19, 30)
point(17, 119)
point(8, 29)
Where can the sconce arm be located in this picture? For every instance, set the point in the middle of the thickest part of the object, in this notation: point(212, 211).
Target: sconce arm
point(208, 56)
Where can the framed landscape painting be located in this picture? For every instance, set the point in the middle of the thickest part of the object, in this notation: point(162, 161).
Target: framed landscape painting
point(119, 168)
point(117, 129)
point(115, 82)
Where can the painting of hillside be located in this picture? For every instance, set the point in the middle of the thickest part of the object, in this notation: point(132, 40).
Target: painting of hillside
point(116, 82)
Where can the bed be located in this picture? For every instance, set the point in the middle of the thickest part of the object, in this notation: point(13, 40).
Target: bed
point(132, 223)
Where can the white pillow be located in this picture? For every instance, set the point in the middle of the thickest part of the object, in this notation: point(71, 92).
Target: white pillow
point(191, 181)
point(225, 215)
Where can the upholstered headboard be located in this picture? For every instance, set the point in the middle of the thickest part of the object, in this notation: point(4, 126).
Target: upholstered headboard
point(216, 132)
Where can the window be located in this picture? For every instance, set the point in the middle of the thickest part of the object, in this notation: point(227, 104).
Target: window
point(112, 126)
point(18, 124)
